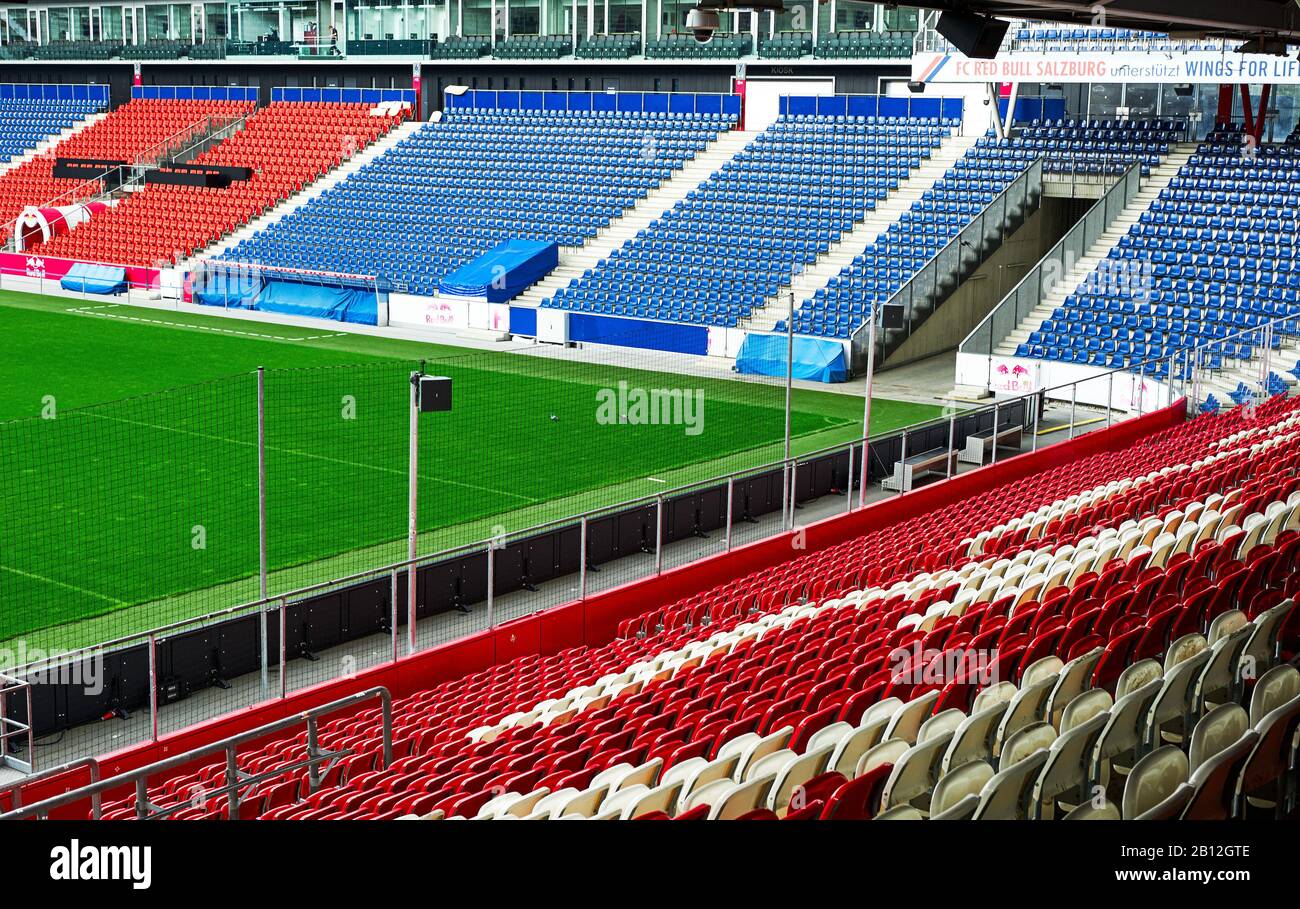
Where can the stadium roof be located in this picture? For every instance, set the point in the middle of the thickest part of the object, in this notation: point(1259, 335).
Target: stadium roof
point(1239, 18)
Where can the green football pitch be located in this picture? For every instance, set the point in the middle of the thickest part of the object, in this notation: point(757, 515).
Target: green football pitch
point(128, 455)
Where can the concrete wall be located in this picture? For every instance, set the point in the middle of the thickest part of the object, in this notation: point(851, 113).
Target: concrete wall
point(957, 316)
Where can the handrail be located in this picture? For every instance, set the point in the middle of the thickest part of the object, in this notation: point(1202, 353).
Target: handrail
point(234, 779)
point(1024, 182)
point(390, 571)
point(17, 787)
point(150, 157)
point(297, 594)
point(1081, 236)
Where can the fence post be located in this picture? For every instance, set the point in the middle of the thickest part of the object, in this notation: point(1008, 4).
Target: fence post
point(1110, 394)
point(261, 515)
point(412, 520)
point(491, 559)
point(902, 482)
point(731, 490)
point(1074, 399)
point(996, 412)
point(848, 480)
point(952, 438)
point(582, 558)
point(393, 589)
point(1039, 400)
point(284, 663)
point(153, 688)
point(659, 534)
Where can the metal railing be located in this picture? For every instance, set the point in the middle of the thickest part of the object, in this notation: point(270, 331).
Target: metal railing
point(235, 782)
point(1052, 268)
point(270, 611)
point(184, 145)
point(946, 269)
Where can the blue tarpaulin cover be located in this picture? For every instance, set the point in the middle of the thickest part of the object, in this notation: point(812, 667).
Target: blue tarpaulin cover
point(503, 272)
point(94, 279)
point(342, 304)
point(814, 358)
point(230, 291)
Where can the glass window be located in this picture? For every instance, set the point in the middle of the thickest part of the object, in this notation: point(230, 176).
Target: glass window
point(854, 15)
point(902, 18)
point(1141, 100)
point(526, 17)
point(182, 27)
point(254, 20)
point(156, 25)
point(216, 21)
point(110, 22)
point(1103, 100)
point(60, 25)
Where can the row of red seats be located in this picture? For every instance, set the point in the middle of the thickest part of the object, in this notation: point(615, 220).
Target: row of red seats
point(288, 146)
point(884, 556)
point(123, 135)
point(435, 721)
point(833, 667)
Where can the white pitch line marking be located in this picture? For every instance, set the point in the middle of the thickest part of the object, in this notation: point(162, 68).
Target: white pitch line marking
point(94, 311)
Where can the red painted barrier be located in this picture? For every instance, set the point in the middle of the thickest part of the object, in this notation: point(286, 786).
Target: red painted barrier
point(34, 265)
point(594, 621)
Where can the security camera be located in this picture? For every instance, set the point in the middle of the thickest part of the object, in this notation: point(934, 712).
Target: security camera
point(702, 24)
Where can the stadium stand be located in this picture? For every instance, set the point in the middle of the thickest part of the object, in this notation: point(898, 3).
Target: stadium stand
point(875, 274)
point(685, 47)
point(1118, 596)
point(534, 47)
point(26, 124)
point(786, 46)
point(288, 145)
point(457, 188)
point(127, 133)
point(1217, 243)
point(857, 45)
point(1051, 38)
point(461, 48)
point(608, 47)
point(1095, 147)
point(772, 210)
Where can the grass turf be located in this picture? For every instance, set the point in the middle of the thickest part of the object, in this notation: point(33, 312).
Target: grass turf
point(135, 505)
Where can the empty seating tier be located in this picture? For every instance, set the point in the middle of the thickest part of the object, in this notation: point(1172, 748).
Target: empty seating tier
point(823, 687)
point(734, 241)
point(885, 265)
point(124, 135)
point(26, 124)
point(287, 146)
point(459, 187)
point(1093, 148)
point(1211, 257)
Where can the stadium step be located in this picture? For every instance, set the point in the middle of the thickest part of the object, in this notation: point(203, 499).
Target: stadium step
point(50, 143)
point(379, 147)
point(1118, 228)
point(864, 232)
point(575, 260)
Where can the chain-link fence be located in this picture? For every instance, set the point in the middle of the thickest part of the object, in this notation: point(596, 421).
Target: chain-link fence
point(156, 550)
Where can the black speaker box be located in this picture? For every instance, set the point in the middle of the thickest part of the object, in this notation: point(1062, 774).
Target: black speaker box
point(975, 36)
point(435, 394)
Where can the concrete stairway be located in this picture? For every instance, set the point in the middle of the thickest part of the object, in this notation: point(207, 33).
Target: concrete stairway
point(51, 142)
point(851, 244)
point(1148, 192)
point(575, 260)
point(312, 191)
point(1225, 381)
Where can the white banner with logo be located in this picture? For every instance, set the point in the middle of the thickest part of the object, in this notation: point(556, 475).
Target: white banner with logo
point(1205, 67)
point(427, 312)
